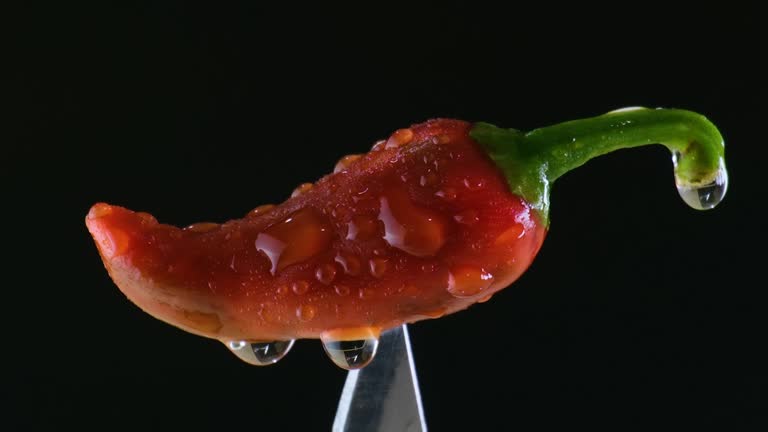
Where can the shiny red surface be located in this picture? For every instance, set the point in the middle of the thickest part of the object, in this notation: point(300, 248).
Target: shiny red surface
point(421, 226)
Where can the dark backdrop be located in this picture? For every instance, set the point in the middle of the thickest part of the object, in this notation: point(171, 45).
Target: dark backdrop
point(638, 309)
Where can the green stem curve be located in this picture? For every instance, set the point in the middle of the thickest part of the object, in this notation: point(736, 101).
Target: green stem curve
point(532, 161)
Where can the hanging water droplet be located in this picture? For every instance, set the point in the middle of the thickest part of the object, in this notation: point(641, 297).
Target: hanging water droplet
point(237, 345)
point(353, 354)
point(702, 197)
point(260, 353)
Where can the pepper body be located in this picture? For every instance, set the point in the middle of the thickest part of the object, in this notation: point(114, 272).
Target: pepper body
point(421, 226)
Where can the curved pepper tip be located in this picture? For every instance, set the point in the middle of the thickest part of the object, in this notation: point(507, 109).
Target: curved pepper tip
point(119, 236)
point(103, 223)
point(99, 210)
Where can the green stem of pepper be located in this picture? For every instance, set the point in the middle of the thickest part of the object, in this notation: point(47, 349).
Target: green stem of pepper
point(532, 161)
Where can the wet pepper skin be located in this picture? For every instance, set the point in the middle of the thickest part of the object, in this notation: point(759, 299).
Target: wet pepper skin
point(423, 225)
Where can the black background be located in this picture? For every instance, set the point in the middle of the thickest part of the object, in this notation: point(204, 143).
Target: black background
point(638, 310)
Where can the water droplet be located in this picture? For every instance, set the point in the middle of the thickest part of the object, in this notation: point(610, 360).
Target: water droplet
point(703, 197)
point(350, 263)
point(467, 281)
point(378, 145)
point(306, 312)
point(437, 313)
point(400, 263)
point(204, 322)
point(510, 235)
point(300, 287)
point(428, 267)
point(474, 184)
point(484, 298)
point(260, 210)
point(416, 230)
point(364, 293)
point(231, 235)
point(378, 266)
point(345, 162)
point(202, 227)
point(302, 189)
point(282, 289)
point(341, 290)
point(325, 273)
point(399, 138)
point(428, 179)
point(237, 345)
point(260, 353)
point(448, 194)
point(295, 239)
point(269, 313)
point(467, 217)
point(408, 288)
point(350, 354)
point(362, 228)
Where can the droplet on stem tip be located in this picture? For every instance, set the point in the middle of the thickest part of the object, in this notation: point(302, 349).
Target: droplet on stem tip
point(702, 197)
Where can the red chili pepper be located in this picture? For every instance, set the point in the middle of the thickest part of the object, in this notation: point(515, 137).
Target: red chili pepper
point(438, 217)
